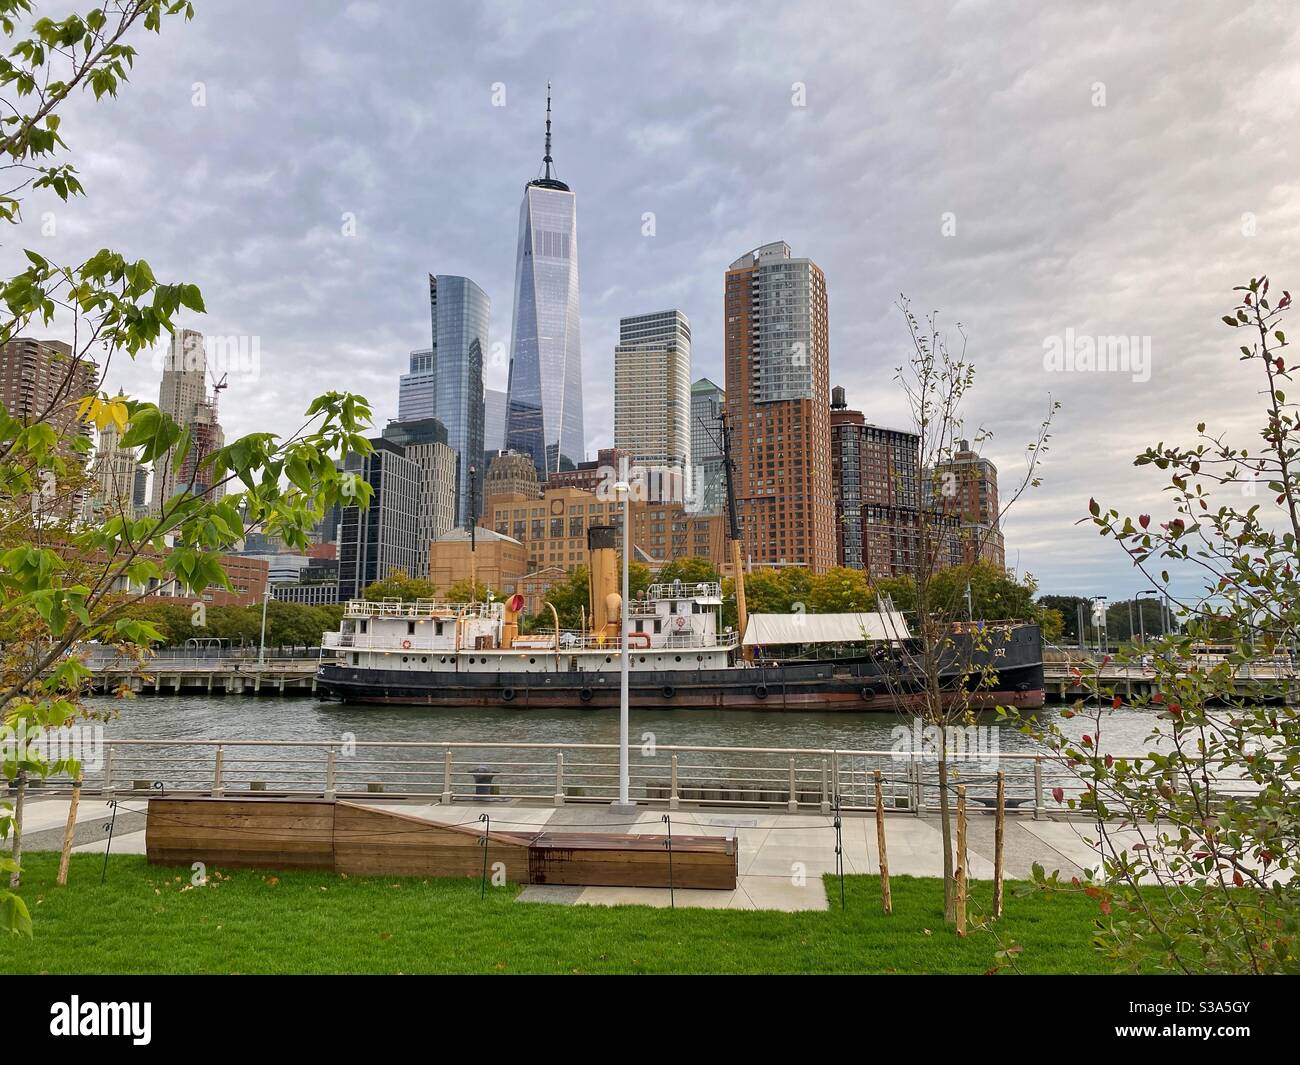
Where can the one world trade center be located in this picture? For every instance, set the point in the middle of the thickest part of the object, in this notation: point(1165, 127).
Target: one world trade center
point(544, 403)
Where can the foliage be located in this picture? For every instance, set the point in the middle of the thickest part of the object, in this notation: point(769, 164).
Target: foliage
point(398, 584)
point(1210, 813)
point(571, 597)
point(287, 624)
point(465, 592)
point(62, 579)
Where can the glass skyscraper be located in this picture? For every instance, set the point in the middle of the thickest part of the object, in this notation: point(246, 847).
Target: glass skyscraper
point(461, 312)
point(544, 404)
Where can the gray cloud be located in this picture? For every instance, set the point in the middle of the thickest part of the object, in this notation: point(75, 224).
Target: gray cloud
point(1117, 220)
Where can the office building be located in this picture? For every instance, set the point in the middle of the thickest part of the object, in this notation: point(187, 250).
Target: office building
point(708, 478)
point(544, 396)
point(424, 442)
point(385, 537)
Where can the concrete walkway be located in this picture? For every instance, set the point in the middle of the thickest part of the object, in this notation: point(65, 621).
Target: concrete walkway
point(782, 856)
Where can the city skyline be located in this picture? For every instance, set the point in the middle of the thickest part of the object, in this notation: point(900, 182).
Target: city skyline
point(1054, 258)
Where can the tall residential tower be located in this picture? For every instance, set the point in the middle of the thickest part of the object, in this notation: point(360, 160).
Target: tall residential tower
point(544, 406)
point(652, 389)
point(778, 407)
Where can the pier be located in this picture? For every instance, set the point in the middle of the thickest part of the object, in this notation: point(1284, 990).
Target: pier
point(211, 676)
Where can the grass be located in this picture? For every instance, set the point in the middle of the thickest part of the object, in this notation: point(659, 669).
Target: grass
point(147, 919)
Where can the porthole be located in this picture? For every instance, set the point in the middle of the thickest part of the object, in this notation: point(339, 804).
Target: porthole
point(532, 661)
point(679, 658)
point(608, 659)
point(403, 658)
point(643, 658)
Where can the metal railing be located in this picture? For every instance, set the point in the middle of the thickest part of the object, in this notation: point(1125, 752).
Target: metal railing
point(761, 778)
point(419, 608)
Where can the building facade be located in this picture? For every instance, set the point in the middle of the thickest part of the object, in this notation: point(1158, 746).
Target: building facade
point(41, 381)
point(652, 389)
point(876, 476)
point(495, 560)
point(598, 474)
point(778, 408)
point(709, 477)
point(115, 476)
point(461, 313)
point(965, 487)
point(386, 535)
point(544, 396)
point(510, 474)
point(417, 395)
point(553, 529)
point(494, 424)
point(183, 396)
point(424, 442)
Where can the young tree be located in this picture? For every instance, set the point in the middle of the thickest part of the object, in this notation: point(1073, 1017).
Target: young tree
point(930, 676)
point(1200, 837)
point(62, 580)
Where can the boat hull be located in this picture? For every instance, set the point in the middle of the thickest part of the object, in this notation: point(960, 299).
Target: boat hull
point(856, 685)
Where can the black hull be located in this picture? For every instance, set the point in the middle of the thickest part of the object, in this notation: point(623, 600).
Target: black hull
point(1015, 678)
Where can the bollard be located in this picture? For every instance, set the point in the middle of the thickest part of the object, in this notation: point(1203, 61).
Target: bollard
point(482, 780)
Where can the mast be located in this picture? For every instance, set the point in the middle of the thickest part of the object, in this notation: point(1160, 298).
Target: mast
point(547, 157)
point(733, 530)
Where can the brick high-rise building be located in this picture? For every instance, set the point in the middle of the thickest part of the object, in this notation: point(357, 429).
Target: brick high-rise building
point(877, 480)
point(589, 476)
point(39, 381)
point(778, 407)
point(966, 487)
point(183, 396)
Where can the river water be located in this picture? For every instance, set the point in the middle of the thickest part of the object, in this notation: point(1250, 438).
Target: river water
point(192, 717)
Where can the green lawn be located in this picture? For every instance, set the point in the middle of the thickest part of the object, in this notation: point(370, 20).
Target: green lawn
point(147, 919)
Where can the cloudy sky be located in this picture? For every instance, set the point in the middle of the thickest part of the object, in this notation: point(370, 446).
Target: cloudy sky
point(1026, 169)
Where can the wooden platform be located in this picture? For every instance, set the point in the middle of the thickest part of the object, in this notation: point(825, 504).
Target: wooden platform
point(347, 837)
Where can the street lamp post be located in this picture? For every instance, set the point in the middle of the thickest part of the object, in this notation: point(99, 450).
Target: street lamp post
point(623, 491)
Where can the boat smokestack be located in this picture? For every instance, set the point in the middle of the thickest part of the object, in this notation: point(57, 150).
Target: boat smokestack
point(603, 598)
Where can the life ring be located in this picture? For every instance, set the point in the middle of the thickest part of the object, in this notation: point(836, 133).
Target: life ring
point(760, 691)
point(406, 645)
point(867, 695)
point(585, 695)
point(669, 691)
point(508, 695)
point(681, 621)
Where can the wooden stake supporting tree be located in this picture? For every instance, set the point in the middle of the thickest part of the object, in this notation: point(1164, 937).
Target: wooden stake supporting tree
point(886, 900)
point(69, 832)
point(962, 861)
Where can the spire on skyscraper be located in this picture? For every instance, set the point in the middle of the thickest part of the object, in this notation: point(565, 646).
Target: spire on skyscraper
point(546, 181)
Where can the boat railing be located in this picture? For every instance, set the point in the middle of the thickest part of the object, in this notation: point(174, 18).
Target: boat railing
point(418, 608)
point(662, 775)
